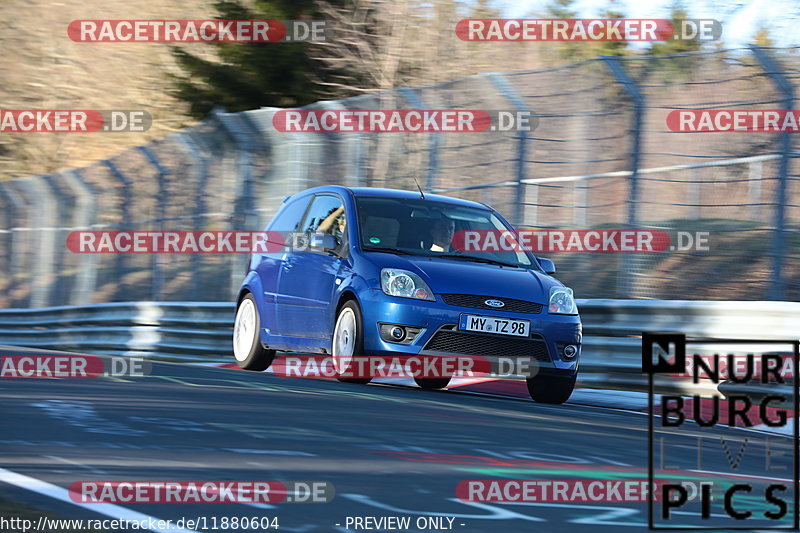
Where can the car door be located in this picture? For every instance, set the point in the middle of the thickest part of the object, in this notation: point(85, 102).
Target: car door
point(307, 277)
point(268, 266)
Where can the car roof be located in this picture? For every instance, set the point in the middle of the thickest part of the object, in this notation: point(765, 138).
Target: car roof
point(391, 193)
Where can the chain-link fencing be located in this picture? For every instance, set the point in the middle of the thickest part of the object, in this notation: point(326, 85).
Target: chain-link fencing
point(600, 157)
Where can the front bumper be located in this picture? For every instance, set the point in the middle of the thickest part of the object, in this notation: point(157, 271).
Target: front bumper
point(549, 333)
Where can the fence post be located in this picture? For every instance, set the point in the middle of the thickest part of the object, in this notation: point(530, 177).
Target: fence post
point(8, 210)
point(626, 284)
point(783, 85)
point(59, 289)
point(350, 156)
point(244, 217)
point(121, 260)
point(433, 146)
point(42, 245)
point(16, 239)
point(243, 207)
point(579, 218)
point(200, 162)
point(156, 260)
point(695, 194)
point(510, 94)
point(84, 216)
point(755, 174)
point(277, 181)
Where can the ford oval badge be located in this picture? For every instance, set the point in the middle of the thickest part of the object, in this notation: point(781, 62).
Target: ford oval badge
point(494, 303)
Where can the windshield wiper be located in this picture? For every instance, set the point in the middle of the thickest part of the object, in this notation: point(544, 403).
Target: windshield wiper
point(388, 250)
point(476, 259)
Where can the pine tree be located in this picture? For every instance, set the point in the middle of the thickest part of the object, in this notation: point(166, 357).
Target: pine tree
point(250, 75)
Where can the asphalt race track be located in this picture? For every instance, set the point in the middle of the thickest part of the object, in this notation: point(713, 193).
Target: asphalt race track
point(389, 451)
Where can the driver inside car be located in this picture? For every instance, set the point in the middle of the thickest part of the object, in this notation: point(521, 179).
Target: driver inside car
point(442, 232)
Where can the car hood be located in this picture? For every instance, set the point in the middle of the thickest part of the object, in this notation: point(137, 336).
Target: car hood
point(463, 277)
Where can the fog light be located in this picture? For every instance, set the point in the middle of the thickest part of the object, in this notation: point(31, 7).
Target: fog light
point(570, 351)
point(397, 333)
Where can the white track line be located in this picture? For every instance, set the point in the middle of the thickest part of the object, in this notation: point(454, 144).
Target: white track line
point(59, 493)
point(75, 463)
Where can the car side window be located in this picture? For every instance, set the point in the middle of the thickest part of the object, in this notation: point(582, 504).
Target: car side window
point(327, 216)
point(289, 218)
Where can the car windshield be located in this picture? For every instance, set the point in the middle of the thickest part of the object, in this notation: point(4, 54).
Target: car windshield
point(426, 228)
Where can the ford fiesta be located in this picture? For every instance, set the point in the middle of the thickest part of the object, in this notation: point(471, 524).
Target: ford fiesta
point(379, 276)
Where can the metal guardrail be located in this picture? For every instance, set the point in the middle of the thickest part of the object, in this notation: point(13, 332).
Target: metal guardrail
point(201, 331)
point(612, 355)
point(715, 319)
point(166, 330)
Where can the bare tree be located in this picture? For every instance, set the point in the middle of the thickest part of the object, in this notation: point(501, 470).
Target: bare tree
point(368, 47)
point(368, 53)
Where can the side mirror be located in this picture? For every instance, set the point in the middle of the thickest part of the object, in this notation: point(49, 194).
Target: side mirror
point(323, 242)
point(548, 266)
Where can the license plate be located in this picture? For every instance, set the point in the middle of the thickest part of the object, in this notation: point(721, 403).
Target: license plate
point(492, 324)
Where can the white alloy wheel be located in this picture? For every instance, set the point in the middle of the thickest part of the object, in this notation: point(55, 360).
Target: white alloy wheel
point(345, 336)
point(245, 334)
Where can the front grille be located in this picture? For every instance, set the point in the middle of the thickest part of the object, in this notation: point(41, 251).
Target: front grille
point(478, 302)
point(459, 342)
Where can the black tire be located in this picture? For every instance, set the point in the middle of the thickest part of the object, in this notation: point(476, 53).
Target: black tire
point(551, 389)
point(432, 383)
point(358, 348)
point(257, 358)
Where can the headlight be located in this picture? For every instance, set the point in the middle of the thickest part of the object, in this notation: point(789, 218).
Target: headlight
point(562, 302)
point(396, 282)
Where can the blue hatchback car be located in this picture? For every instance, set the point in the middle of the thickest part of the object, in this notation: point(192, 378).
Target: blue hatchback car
point(384, 279)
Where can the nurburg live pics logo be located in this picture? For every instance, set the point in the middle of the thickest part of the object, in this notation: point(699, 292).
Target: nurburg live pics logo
point(735, 479)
